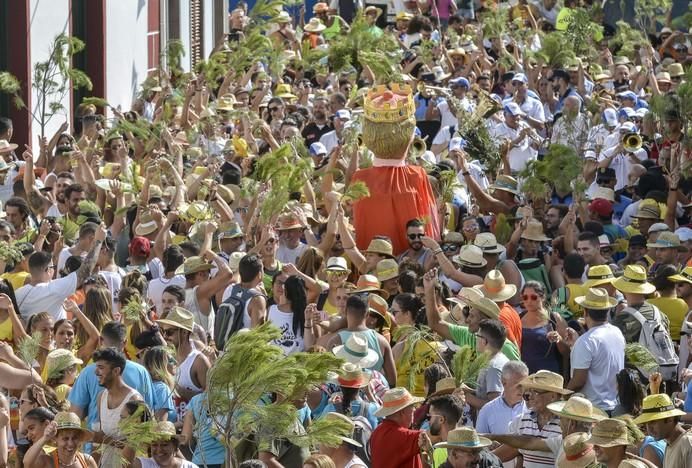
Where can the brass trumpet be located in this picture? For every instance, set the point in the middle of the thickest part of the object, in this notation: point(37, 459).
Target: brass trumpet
point(418, 147)
point(486, 106)
point(632, 142)
point(433, 91)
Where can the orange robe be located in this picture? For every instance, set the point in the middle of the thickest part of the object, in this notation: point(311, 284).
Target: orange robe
point(397, 195)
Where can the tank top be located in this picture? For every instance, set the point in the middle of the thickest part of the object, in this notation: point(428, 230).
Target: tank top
point(80, 459)
point(191, 304)
point(183, 375)
point(289, 341)
point(6, 331)
point(333, 30)
point(373, 343)
point(537, 352)
point(108, 420)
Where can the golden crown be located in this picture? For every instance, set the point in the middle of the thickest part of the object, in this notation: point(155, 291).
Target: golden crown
point(389, 104)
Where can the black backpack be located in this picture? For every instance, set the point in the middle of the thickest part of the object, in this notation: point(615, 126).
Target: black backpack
point(229, 317)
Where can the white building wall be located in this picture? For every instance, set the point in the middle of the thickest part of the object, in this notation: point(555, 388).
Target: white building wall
point(126, 50)
point(47, 20)
point(208, 28)
point(186, 61)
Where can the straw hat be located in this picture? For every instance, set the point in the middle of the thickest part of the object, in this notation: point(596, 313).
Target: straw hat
point(283, 90)
point(66, 420)
point(474, 299)
point(609, 433)
point(667, 240)
point(230, 230)
point(193, 264)
point(453, 237)
point(464, 438)
point(546, 380)
point(655, 407)
point(470, 256)
point(165, 430)
point(685, 276)
point(454, 315)
point(310, 215)
point(59, 360)
point(6, 146)
point(487, 242)
point(495, 288)
point(632, 463)
point(344, 419)
point(387, 269)
point(534, 231)
point(663, 77)
point(226, 102)
point(675, 70)
point(320, 7)
point(369, 283)
point(395, 400)
point(178, 318)
point(147, 225)
point(379, 306)
point(599, 275)
point(371, 8)
point(337, 264)
point(380, 246)
point(634, 281)
point(648, 211)
point(283, 17)
point(577, 452)
point(444, 386)
point(506, 183)
point(289, 221)
point(234, 260)
point(604, 193)
point(596, 299)
point(356, 351)
point(352, 376)
point(314, 25)
point(577, 408)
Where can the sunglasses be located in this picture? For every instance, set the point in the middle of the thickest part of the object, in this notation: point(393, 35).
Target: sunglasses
point(450, 247)
point(336, 273)
point(415, 236)
point(526, 297)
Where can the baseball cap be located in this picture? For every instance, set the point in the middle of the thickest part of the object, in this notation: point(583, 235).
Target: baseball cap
point(627, 112)
point(627, 95)
point(317, 148)
point(637, 241)
point(628, 127)
point(459, 82)
point(520, 77)
point(514, 109)
point(610, 117)
point(601, 207)
point(343, 114)
point(457, 144)
point(139, 247)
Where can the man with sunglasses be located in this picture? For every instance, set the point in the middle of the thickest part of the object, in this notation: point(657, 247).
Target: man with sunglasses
point(417, 253)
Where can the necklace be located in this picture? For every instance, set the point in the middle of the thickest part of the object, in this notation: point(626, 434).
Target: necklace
point(66, 465)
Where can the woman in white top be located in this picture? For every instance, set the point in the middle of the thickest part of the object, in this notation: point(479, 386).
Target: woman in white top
point(163, 452)
point(288, 314)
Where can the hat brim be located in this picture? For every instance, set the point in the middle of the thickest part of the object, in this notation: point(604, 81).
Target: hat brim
point(502, 295)
point(365, 362)
point(557, 408)
point(482, 443)
point(598, 282)
point(87, 435)
point(678, 278)
point(536, 238)
point(654, 245)
point(605, 442)
point(633, 288)
point(530, 383)
point(173, 324)
point(498, 249)
point(146, 228)
point(384, 411)
point(372, 289)
point(181, 269)
point(388, 255)
point(363, 381)
point(444, 391)
point(382, 279)
point(314, 29)
point(512, 191)
point(648, 417)
point(11, 147)
point(581, 300)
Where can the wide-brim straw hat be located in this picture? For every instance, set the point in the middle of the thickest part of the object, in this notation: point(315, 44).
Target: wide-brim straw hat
point(655, 407)
point(546, 380)
point(178, 318)
point(352, 376)
point(357, 351)
point(60, 359)
point(599, 275)
point(314, 25)
point(667, 240)
point(289, 221)
point(193, 264)
point(66, 420)
point(596, 299)
point(534, 231)
point(344, 419)
point(369, 8)
point(634, 281)
point(632, 463)
point(369, 283)
point(470, 256)
point(387, 269)
point(577, 452)
point(464, 438)
point(506, 183)
point(6, 146)
point(495, 288)
point(396, 399)
point(382, 247)
point(445, 386)
point(164, 430)
point(609, 433)
point(487, 242)
point(685, 276)
point(147, 225)
point(577, 408)
point(378, 305)
point(648, 211)
point(474, 298)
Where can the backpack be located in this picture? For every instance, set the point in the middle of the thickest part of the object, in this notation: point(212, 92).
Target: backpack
point(533, 269)
point(229, 316)
point(656, 339)
point(362, 433)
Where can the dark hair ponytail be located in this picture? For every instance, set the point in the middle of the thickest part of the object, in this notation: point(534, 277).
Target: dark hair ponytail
point(294, 290)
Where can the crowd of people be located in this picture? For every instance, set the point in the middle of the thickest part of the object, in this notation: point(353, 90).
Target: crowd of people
point(353, 209)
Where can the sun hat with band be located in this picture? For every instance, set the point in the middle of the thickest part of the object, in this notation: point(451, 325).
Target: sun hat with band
point(577, 452)
point(395, 400)
point(464, 438)
point(352, 376)
point(381, 247)
point(545, 380)
point(356, 351)
point(534, 231)
point(470, 256)
point(655, 407)
point(288, 221)
point(147, 225)
point(667, 240)
point(378, 305)
point(474, 298)
point(338, 264)
point(634, 281)
point(387, 269)
point(193, 264)
point(444, 386)
point(344, 419)
point(609, 433)
point(6, 146)
point(506, 183)
point(57, 362)
point(577, 408)
point(179, 318)
point(314, 25)
point(487, 242)
point(596, 299)
point(369, 283)
point(68, 421)
point(599, 275)
point(495, 288)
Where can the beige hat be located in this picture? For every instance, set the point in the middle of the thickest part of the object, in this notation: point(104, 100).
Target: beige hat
point(147, 225)
point(632, 463)
point(164, 430)
point(234, 260)
point(675, 70)
point(288, 221)
point(667, 240)
point(369, 283)
point(464, 438)
point(453, 237)
point(634, 281)
point(344, 419)
point(193, 264)
point(663, 77)
point(444, 386)
point(487, 242)
point(226, 102)
point(66, 420)
point(59, 360)
point(577, 452)
point(470, 256)
point(387, 269)
point(337, 264)
point(179, 318)
point(506, 183)
point(352, 376)
point(599, 275)
point(380, 246)
point(577, 408)
point(648, 210)
point(6, 146)
point(495, 288)
point(356, 351)
point(474, 299)
point(395, 400)
point(609, 433)
point(534, 231)
point(546, 380)
point(596, 299)
point(605, 193)
point(314, 25)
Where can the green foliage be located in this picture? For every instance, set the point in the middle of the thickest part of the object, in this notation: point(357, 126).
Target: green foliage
point(28, 349)
point(682, 22)
point(479, 144)
point(94, 101)
point(9, 84)
point(9, 253)
point(561, 167)
point(449, 183)
point(648, 13)
point(627, 40)
point(411, 336)
point(214, 68)
point(174, 53)
point(640, 357)
point(249, 50)
point(467, 364)
point(581, 32)
point(556, 51)
point(503, 230)
point(356, 191)
point(132, 312)
point(495, 22)
point(250, 369)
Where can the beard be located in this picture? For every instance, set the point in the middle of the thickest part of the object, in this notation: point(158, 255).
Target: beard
point(319, 115)
point(435, 428)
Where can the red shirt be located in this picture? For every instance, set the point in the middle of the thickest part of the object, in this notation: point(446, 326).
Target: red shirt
point(512, 322)
point(393, 446)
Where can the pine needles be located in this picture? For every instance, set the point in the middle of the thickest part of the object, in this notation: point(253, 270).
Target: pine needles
point(503, 230)
point(132, 312)
point(411, 337)
point(449, 183)
point(560, 168)
point(627, 40)
point(356, 191)
point(556, 51)
point(9, 253)
point(28, 349)
point(467, 364)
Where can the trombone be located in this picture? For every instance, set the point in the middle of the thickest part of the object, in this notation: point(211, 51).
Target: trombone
point(632, 142)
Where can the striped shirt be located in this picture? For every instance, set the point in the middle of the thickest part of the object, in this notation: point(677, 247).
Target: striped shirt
point(527, 424)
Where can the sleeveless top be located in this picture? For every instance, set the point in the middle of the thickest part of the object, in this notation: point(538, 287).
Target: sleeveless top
point(80, 459)
point(333, 30)
point(373, 343)
point(109, 419)
point(183, 375)
point(191, 304)
point(537, 352)
point(289, 342)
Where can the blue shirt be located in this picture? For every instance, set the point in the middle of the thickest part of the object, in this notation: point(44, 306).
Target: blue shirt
point(163, 399)
point(208, 449)
point(357, 410)
point(86, 388)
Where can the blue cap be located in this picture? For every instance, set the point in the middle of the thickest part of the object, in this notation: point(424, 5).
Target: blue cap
point(514, 109)
point(626, 112)
point(520, 77)
point(628, 95)
point(457, 144)
point(461, 82)
point(317, 148)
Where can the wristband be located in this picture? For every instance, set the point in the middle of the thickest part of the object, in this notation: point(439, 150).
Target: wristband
point(437, 252)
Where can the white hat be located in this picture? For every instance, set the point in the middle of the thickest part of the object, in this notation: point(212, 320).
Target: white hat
point(610, 117)
point(658, 227)
point(343, 114)
point(317, 148)
point(337, 264)
point(514, 109)
point(520, 77)
point(684, 233)
point(357, 351)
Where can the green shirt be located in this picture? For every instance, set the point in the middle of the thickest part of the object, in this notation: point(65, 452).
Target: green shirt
point(463, 337)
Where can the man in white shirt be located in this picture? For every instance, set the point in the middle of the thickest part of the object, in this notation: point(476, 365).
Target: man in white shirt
point(459, 87)
point(45, 294)
point(622, 161)
point(522, 139)
point(331, 140)
point(290, 231)
point(532, 107)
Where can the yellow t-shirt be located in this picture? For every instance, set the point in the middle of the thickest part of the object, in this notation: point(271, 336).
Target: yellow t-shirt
point(61, 392)
point(421, 358)
point(675, 309)
point(6, 333)
point(16, 279)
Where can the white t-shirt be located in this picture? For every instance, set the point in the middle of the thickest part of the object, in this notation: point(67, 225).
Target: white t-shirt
point(289, 342)
point(286, 255)
point(622, 163)
point(46, 297)
point(330, 141)
point(519, 155)
point(531, 107)
point(601, 350)
point(156, 287)
point(64, 255)
point(114, 280)
point(496, 416)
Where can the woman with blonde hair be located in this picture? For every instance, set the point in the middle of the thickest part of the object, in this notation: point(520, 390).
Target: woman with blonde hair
point(97, 308)
point(64, 332)
point(157, 362)
point(319, 460)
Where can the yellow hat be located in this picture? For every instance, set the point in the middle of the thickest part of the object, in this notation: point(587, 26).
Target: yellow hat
point(577, 408)
point(596, 299)
point(655, 407)
point(391, 105)
point(599, 275)
point(546, 380)
point(634, 281)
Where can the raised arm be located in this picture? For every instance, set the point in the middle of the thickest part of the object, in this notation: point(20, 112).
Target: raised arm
point(93, 333)
point(90, 262)
point(435, 323)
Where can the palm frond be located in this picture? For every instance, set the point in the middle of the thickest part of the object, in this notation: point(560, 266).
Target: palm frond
point(640, 357)
point(28, 348)
point(356, 191)
point(467, 364)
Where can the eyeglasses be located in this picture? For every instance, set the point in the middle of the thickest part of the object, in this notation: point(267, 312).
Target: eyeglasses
point(472, 227)
point(450, 247)
point(526, 297)
point(415, 236)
